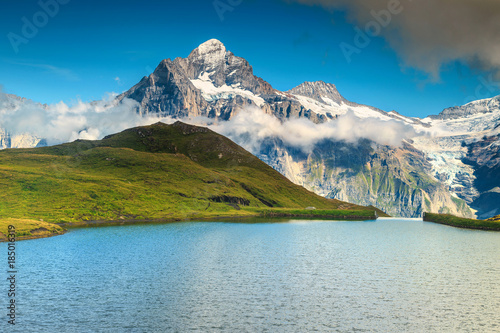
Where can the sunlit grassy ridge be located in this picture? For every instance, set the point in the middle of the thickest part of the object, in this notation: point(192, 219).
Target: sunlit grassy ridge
point(494, 219)
point(155, 172)
point(26, 229)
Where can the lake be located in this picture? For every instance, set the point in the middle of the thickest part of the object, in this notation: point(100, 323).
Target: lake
point(391, 275)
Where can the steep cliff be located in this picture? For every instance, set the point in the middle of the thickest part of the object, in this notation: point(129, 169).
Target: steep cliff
point(395, 180)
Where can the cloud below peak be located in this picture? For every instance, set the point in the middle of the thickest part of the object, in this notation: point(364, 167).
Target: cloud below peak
point(251, 126)
point(59, 123)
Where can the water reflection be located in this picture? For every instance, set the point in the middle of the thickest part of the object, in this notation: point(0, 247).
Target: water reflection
point(389, 275)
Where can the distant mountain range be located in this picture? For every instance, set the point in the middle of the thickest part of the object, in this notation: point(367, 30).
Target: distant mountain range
point(450, 164)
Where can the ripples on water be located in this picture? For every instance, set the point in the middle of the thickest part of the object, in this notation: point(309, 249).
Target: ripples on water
point(384, 276)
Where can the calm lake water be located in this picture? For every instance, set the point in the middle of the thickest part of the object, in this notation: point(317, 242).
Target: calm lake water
point(387, 276)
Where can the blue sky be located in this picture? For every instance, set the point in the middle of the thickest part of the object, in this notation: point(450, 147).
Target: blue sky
point(89, 48)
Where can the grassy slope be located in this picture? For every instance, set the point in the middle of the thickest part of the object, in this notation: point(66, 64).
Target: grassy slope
point(155, 172)
point(28, 229)
point(490, 224)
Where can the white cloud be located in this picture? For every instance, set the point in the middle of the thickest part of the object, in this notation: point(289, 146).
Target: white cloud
point(251, 126)
point(59, 123)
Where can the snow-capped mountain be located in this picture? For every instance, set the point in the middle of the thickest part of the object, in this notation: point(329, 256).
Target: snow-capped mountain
point(210, 82)
point(465, 152)
point(324, 98)
point(215, 83)
point(450, 165)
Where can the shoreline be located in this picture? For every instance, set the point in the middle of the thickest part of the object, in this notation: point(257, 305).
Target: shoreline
point(26, 229)
point(462, 223)
point(32, 237)
point(335, 215)
point(320, 214)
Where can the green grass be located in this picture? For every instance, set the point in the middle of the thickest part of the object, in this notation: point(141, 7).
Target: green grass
point(158, 172)
point(28, 229)
point(427, 202)
point(490, 224)
point(380, 213)
point(327, 213)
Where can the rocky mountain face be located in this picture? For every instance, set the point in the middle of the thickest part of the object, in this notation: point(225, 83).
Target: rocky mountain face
point(396, 180)
point(214, 83)
point(449, 166)
point(484, 157)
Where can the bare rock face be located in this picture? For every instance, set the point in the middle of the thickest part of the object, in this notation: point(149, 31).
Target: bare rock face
point(465, 155)
point(213, 82)
point(484, 157)
point(168, 91)
point(395, 180)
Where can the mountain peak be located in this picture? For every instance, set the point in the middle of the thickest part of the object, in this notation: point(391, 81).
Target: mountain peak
point(318, 90)
point(211, 45)
point(210, 52)
point(487, 105)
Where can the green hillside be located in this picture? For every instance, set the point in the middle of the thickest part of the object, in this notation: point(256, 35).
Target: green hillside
point(460, 222)
point(166, 172)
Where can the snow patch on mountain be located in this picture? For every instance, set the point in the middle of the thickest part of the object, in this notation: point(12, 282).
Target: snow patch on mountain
point(212, 93)
point(328, 106)
point(448, 137)
point(318, 107)
point(445, 154)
